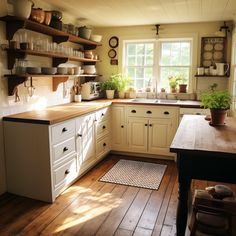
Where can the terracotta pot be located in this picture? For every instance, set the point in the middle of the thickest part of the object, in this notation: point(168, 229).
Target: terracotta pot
point(218, 116)
point(38, 15)
point(173, 89)
point(182, 88)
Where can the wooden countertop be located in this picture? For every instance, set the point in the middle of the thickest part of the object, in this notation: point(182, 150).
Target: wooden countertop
point(59, 113)
point(196, 135)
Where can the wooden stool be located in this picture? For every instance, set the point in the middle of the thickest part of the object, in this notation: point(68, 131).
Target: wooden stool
point(212, 216)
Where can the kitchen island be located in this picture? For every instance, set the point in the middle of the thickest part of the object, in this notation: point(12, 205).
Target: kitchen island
point(203, 152)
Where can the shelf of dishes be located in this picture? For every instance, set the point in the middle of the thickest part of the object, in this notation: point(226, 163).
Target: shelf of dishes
point(14, 23)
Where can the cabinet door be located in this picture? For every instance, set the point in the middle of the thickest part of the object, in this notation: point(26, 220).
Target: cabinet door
point(159, 136)
point(85, 139)
point(119, 129)
point(137, 134)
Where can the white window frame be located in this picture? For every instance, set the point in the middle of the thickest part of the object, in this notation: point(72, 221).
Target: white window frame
point(157, 57)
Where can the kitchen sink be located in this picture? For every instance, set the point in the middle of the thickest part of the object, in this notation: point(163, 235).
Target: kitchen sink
point(151, 100)
point(166, 101)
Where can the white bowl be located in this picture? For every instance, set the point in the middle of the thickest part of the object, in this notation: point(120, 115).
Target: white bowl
point(96, 38)
point(62, 70)
point(89, 69)
point(49, 70)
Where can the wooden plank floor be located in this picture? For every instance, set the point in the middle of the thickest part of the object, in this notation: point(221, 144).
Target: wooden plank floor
point(90, 207)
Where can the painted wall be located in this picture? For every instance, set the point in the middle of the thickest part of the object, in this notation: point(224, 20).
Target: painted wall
point(195, 30)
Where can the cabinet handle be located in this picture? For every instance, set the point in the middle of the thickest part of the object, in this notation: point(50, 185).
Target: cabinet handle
point(198, 113)
point(133, 111)
point(166, 113)
point(146, 124)
point(65, 149)
point(149, 112)
point(104, 144)
point(102, 114)
point(79, 135)
point(150, 125)
point(64, 129)
point(67, 172)
point(104, 127)
point(122, 126)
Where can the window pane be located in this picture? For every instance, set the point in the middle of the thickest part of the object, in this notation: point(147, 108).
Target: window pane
point(131, 49)
point(131, 60)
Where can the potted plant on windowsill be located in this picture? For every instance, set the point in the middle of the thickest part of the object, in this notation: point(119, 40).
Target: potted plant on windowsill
point(173, 82)
point(218, 102)
point(121, 82)
point(182, 84)
point(110, 87)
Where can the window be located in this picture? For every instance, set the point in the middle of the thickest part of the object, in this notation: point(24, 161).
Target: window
point(139, 63)
point(174, 60)
point(151, 67)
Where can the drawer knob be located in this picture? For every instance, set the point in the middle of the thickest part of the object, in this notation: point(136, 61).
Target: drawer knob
point(65, 149)
point(104, 127)
point(79, 135)
point(146, 124)
point(150, 125)
point(133, 111)
point(149, 112)
point(198, 113)
point(67, 172)
point(64, 129)
point(102, 114)
point(166, 113)
point(104, 144)
point(122, 126)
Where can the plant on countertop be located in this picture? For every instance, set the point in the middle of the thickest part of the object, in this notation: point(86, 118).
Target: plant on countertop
point(121, 83)
point(109, 86)
point(218, 102)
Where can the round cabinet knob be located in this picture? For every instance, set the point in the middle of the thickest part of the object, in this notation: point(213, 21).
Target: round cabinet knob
point(146, 124)
point(102, 114)
point(104, 144)
point(104, 127)
point(67, 172)
point(65, 149)
point(150, 125)
point(122, 126)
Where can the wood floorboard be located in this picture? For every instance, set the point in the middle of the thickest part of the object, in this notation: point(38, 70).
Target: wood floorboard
point(90, 207)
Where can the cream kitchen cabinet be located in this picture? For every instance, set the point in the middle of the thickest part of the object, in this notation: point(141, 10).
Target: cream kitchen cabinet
point(119, 128)
point(151, 128)
point(85, 140)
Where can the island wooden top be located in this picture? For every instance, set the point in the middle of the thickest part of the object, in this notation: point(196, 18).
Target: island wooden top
point(196, 135)
point(59, 113)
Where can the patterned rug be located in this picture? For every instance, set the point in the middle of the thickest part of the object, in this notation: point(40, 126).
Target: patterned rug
point(135, 173)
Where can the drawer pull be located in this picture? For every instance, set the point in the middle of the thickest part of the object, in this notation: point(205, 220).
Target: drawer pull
point(65, 149)
point(104, 127)
point(150, 125)
point(133, 111)
point(67, 172)
point(79, 135)
point(198, 113)
point(104, 144)
point(122, 126)
point(64, 129)
point(146, 124)
point(149, 112)
point(102, 114)
point(166, 113)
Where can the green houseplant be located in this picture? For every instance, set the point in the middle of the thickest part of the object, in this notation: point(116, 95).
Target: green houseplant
point(218, 102)
point(109, 86)
point(121, 83)
point(182, 83)
point(173, 83)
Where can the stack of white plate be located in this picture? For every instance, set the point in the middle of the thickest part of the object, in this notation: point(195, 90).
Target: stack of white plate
point(89, 69)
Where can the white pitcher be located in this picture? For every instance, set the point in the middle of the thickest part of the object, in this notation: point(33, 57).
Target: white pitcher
point(222, 68)
point(22, 8)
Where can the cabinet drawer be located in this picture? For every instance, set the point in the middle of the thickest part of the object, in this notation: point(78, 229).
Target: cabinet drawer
point(103, 114)
point(151, 111)
point(63, 131)
point(103, 146)
point(60, 151)
point(103, 128)
point(66, 173)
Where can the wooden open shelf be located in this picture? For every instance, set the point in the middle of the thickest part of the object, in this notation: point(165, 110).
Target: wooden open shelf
point(14, 80)
point(57, 58)
point(213, 76)
point(14, 23)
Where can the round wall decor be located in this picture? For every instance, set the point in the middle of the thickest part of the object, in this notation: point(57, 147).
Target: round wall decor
point(114, 42)
point(112, 53)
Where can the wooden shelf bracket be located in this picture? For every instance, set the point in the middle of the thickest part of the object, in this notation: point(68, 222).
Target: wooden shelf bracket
point(58, 80)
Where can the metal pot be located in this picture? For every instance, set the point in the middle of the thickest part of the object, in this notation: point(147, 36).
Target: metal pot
point(84, 32)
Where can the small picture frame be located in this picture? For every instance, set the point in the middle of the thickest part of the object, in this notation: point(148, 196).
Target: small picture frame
point(114, 62)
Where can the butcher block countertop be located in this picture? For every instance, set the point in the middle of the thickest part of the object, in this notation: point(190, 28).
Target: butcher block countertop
point(59, 113)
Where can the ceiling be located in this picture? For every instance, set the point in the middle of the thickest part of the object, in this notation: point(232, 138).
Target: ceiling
point(105, 13)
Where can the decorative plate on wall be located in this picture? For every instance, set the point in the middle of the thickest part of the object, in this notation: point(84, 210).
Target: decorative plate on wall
point(213, 51)
point(112, 53)
point(114, 42)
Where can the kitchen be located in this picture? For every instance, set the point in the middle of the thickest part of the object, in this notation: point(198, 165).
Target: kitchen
point(140, 30)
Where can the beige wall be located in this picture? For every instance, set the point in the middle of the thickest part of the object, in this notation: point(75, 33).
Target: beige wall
point(195, 30)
